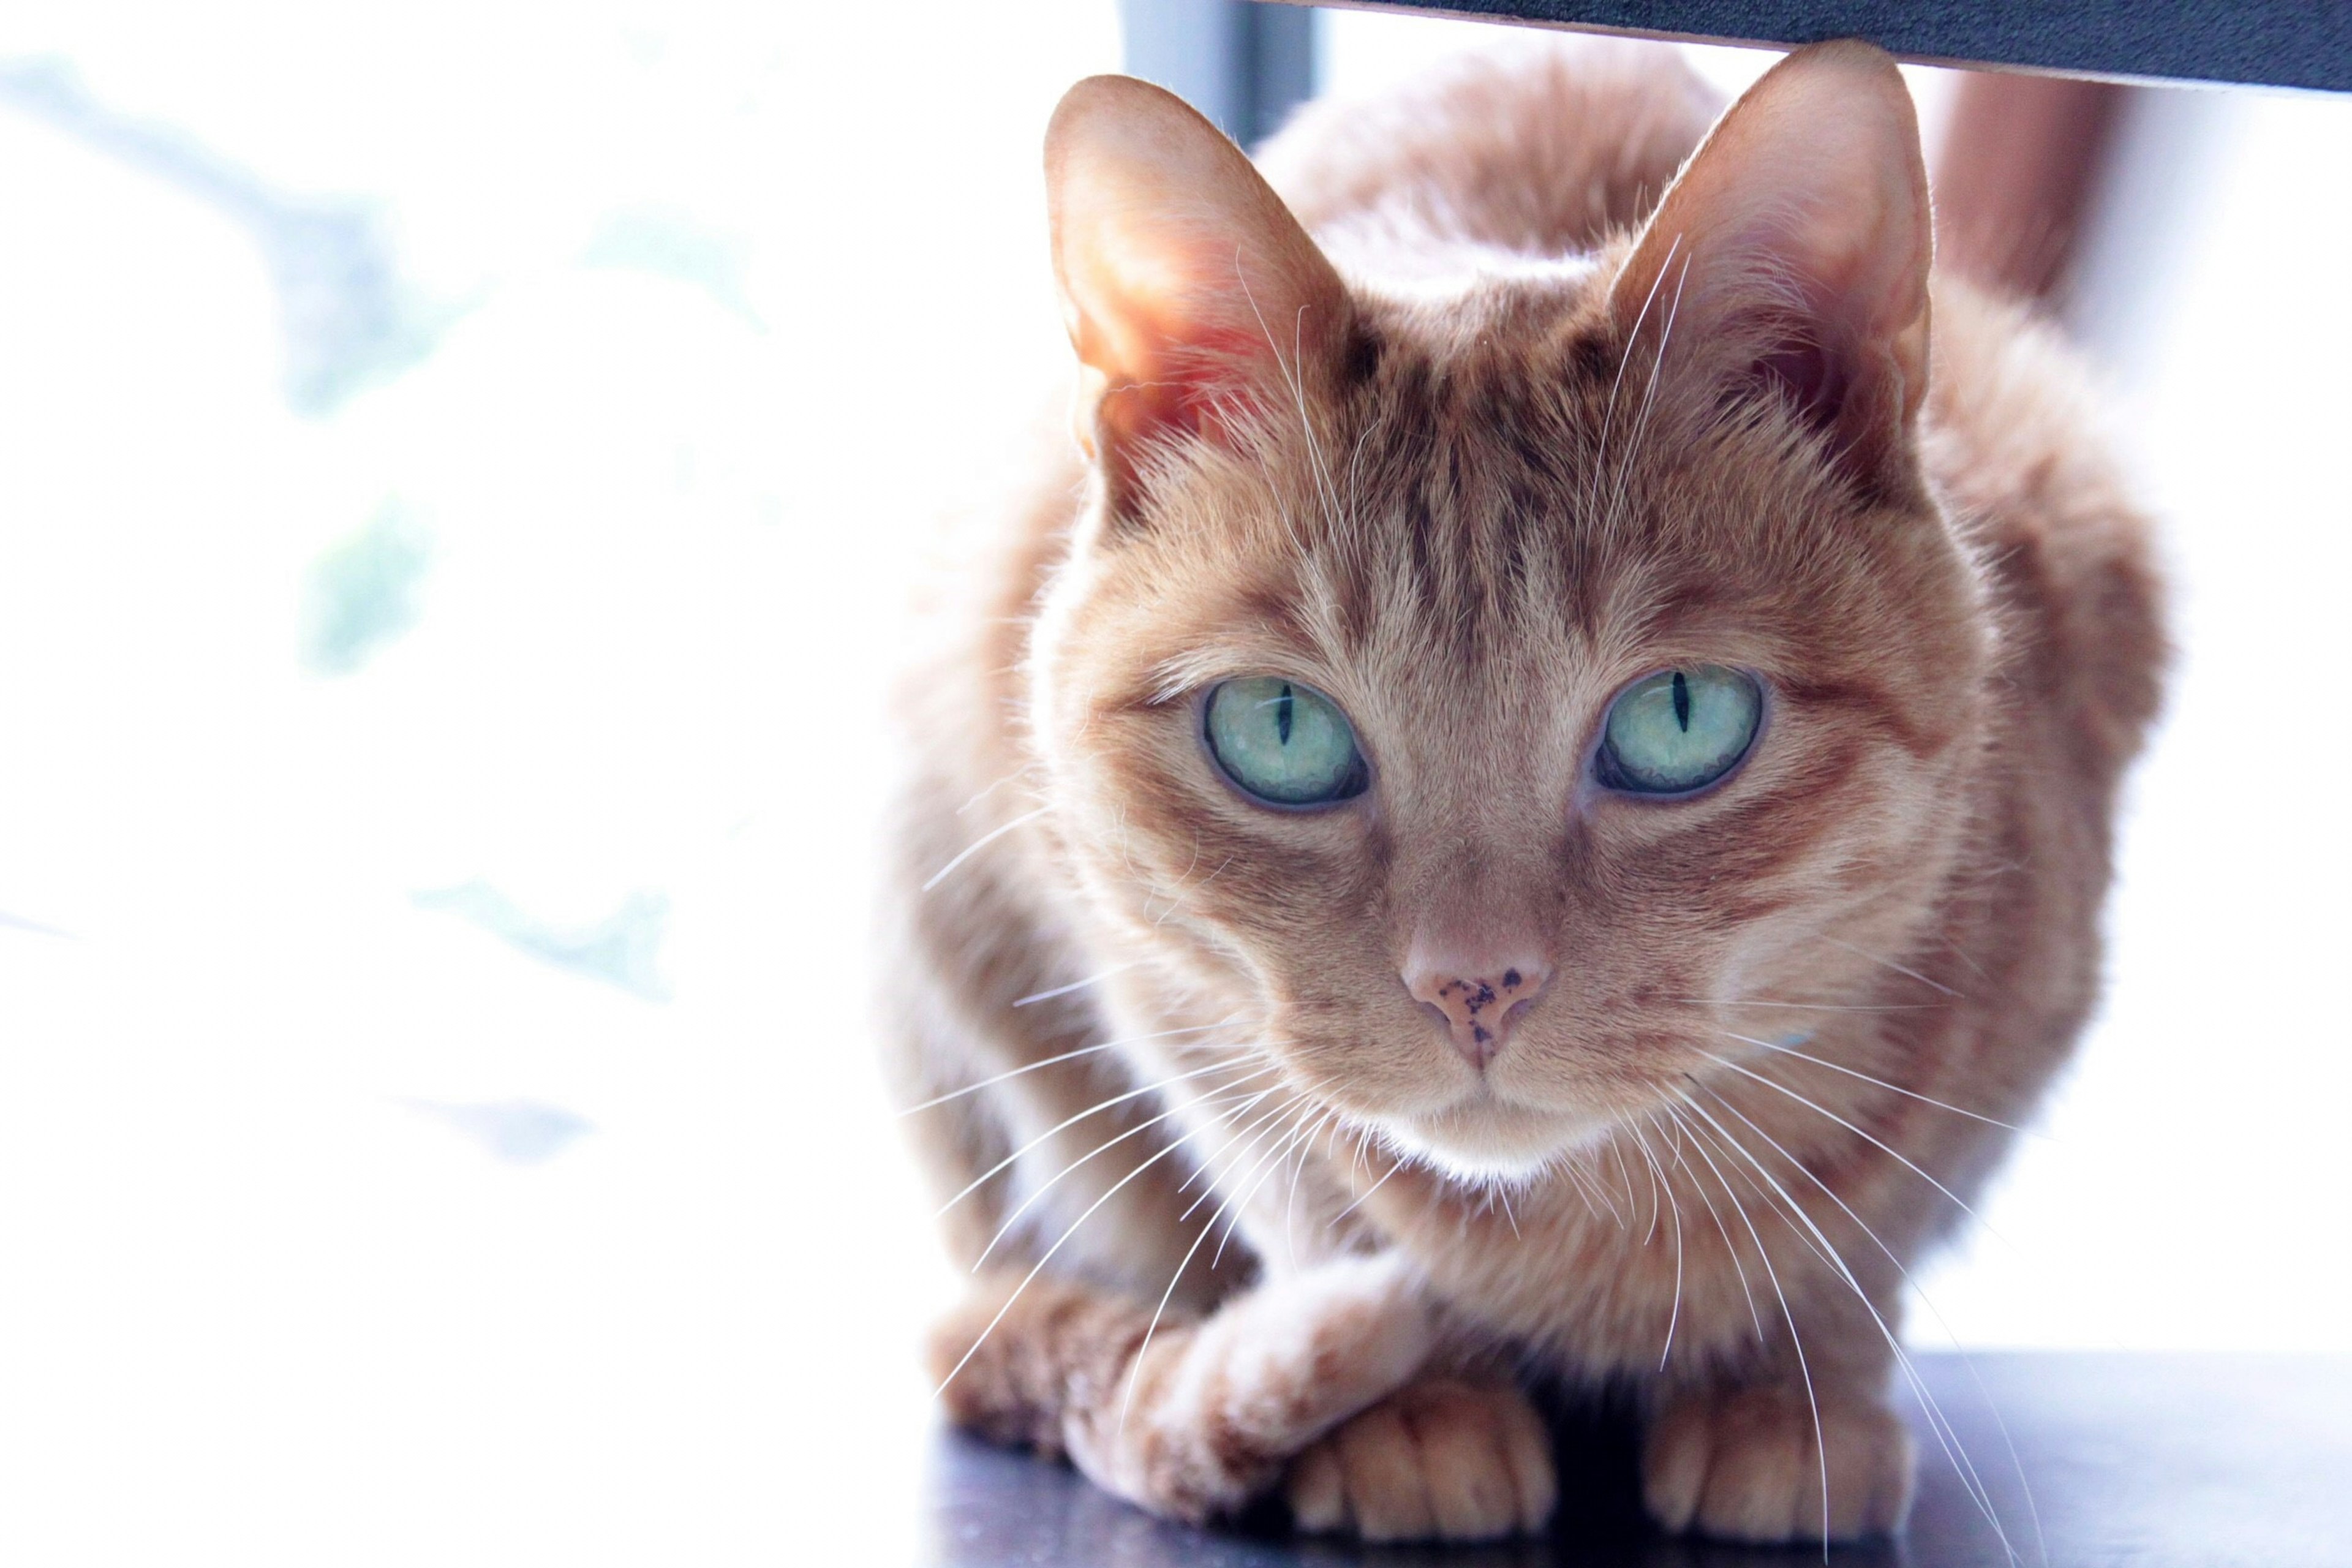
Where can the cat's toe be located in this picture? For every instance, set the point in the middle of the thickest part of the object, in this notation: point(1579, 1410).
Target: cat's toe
point(1442, 1460)
point(1748, 1466)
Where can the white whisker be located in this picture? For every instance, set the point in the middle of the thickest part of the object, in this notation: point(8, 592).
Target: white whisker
point(1243, 1139)
point(999, 784)
point(1031, 1278)
point(1609, 411)
point(1503, 1197)
point(1063, 1057)
point(1675, 1312)
point(1821, 1443)
point(1095, 1110)
point(1808, 1006)
point(982, 842)
point(1875, 1141)
point(1890, 964)
point(1946, 1436)
point(1074, 985)
point(1395, 1165)
point(1327, 496)
point(1268, 1165)
point(1882, 1083)
point(1984, 1499)
point(1649, 397)
point(1730, 1246)
point(1013, 1218)
point(1135, 1363)
point(1290, 1204)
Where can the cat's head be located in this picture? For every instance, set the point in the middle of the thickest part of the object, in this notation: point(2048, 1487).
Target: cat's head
point(1489, 692)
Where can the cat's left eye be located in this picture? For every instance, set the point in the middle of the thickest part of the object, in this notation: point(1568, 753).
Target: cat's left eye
point(1679, 731)
point(1283, 743)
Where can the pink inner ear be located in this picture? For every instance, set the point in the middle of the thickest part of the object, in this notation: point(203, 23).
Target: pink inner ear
point(1179, 380)
point(1193, 358)
point(1810, 376)
point(1215, 360)
point(1189, 288)
point(1800, 227)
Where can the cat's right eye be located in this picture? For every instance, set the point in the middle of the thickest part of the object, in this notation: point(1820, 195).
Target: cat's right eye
point(1283, 743)
point(1679, 731)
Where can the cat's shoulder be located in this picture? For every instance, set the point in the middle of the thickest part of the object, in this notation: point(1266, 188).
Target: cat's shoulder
point(2016, 442)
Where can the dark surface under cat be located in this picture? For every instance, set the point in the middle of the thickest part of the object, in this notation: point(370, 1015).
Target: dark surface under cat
point(2151, 1460)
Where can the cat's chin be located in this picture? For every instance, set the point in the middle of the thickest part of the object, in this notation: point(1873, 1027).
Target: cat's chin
point(1489, 1142)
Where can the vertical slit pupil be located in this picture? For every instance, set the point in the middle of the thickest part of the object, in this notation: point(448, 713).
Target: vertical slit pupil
point(1286, 702)
point(1682, 700)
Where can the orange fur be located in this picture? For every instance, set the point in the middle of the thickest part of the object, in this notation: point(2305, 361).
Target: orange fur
point(1468, 483)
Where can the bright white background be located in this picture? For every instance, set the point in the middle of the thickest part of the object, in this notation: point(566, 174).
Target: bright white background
point(437, 1112)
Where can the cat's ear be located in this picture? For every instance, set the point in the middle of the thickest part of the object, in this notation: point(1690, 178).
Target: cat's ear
point(1793, 248)
point(1192, 295)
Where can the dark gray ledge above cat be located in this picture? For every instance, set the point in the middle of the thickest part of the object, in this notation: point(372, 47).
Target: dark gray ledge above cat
point(2274, 43)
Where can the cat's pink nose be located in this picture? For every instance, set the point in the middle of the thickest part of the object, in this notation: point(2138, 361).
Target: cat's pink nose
point(1478, 1002)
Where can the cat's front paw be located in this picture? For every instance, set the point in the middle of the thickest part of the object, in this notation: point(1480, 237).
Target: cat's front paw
point(1439, 1461)
point(1746, 1465)
point(1191, 1420)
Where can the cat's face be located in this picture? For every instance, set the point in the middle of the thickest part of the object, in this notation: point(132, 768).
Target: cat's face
point(1496, 710)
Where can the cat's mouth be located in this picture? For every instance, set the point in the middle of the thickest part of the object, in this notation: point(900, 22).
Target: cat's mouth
point(1484, 1139)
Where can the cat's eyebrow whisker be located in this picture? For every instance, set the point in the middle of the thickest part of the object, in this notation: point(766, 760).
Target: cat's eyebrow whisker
point(1779, 1049)
point(1649, 397)
point(1325, 494)
point(1934, 1411)
point(1609, 410)
point(982, 842)
point(1875, 1141)
point(1328, 488)
point(1075, 985)
point(1063, 1057)
point(1889, 963)
point(1355, 465)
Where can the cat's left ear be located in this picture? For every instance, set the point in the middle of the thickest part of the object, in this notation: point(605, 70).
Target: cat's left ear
point(1194, 297)
point(1793, 250)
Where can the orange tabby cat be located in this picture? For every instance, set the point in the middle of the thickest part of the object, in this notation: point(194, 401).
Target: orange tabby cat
point(1528, 805)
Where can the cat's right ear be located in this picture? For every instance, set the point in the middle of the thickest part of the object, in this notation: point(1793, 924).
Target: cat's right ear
point(1195, 299)
point(1793, 250)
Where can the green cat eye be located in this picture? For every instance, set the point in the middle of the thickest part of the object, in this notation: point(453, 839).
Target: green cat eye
point(1282, 743)
point(1679, 729)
